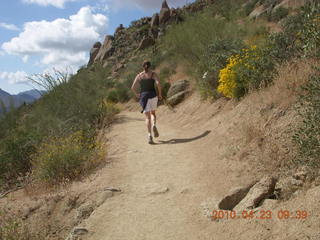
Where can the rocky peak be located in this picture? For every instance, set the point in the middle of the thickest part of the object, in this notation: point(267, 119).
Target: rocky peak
point(165, 4)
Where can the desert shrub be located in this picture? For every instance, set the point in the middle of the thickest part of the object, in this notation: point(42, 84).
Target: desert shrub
point(301, 34)
point(307, 135)
point(63, 158)
point(73, 103)
point(251, 69)
point(205, 41)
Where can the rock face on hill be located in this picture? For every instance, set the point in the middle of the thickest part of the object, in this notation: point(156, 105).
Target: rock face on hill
point(141, 34)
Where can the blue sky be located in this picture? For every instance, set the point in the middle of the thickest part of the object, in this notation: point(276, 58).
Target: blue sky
point(39, 35)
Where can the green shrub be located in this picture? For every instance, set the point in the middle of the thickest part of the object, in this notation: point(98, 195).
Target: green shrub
point(307, 136)
point(61, 158)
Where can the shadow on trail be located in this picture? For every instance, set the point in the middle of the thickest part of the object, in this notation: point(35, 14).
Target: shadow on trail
point(184, 140)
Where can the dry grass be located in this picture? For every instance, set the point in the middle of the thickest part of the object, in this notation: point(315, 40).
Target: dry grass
point(286, 86)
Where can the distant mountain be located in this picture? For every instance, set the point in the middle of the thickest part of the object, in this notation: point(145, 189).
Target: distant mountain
point(8, 100)
point(33, 93)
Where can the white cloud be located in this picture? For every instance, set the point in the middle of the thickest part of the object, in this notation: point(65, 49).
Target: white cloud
point(14, 77)
point(55, 3)
point(62, 42)
point(9, 26)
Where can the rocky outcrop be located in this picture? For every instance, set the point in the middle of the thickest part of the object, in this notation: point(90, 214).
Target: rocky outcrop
point(106, 49)
point(139, 35)
point(164, 13)
point(146, 42)
point(234, 197)
point(94, 52)
point(177, 92)
point(120, 28)
point(260, 191)
point(155, 20)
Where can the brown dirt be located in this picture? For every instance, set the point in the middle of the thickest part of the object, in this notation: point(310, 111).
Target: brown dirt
point(204, 151)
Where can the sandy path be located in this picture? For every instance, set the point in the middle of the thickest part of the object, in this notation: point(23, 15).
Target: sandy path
point(165, 184)
point(162, 184)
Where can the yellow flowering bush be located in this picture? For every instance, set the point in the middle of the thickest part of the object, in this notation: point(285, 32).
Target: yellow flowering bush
point(227, 77)
point(247, 70)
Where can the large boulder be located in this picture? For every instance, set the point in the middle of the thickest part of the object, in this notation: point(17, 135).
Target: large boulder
point(106, 49)
point(260, 191)
point(146, 42)
point(94, 52)
point(164, 13)
point(177, 92)
point(178, 87)
point(177, 98)
point(234, 197)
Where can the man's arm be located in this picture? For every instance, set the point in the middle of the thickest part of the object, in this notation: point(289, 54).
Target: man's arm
point(133, 87)
point(156, 78)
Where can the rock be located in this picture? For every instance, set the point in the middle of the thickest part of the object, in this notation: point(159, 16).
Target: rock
point(112, 189)
point(146, 42)
point(260, 191)
point(302, 173)
point(234, 197)
point(76, 232)
point(84, 211)
point(79, 231)
point(118, 29)
point(160, 190)
point(94, 52)
point(177, 87)
point(106, 50)
point(155, 20)
point(296, 182)
point(155, 189)
point(177, 98)
point(164, 13)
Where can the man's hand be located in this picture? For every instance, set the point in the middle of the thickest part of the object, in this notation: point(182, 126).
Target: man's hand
point(160, 97)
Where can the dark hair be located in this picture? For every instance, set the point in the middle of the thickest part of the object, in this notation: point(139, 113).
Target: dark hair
point(148, 63)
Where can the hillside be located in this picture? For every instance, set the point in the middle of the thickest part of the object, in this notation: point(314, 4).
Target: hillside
point(237, 155)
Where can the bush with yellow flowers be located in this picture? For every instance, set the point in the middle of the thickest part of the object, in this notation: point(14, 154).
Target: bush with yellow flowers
point(244, 71)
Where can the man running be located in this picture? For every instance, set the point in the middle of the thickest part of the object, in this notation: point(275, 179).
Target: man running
point(148, 96)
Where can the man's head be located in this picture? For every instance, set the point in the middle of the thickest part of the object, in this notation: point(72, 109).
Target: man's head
point(146, 65)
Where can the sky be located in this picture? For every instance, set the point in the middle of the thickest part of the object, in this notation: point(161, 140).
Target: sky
point(37, 36)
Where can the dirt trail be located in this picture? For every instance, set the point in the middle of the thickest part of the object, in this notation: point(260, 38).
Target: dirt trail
point(165, 184)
